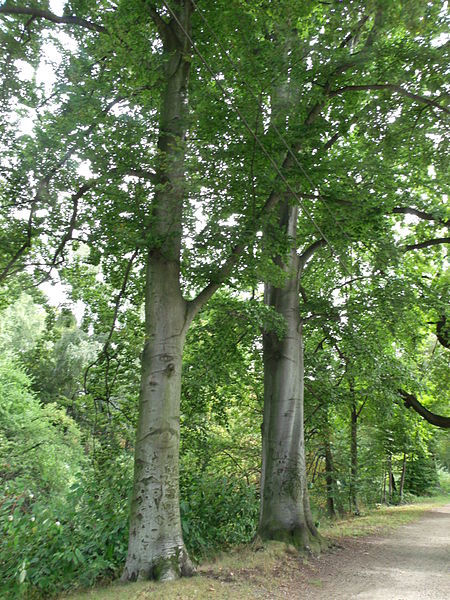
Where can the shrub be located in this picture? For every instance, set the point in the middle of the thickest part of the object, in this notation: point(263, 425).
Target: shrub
point(217, 512)
point(48, 546)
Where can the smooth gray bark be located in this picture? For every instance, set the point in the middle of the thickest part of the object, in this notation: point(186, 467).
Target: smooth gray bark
point(156, 549)
point(285, 511)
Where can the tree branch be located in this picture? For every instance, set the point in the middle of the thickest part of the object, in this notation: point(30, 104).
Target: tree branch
point(443, 331)
point(118, 300)
point(388, 86)
point(410, 210)
point(361, 407)
point(432, 418)
point(426, 244)
point(307, 254)
point(41, 188)
point(68, 235)
point(143, 174)
point(353, 35)
point(49, 16)
point(23, 248)
point(161, 25)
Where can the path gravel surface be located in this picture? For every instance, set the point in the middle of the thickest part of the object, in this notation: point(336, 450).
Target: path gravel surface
point(412, 563)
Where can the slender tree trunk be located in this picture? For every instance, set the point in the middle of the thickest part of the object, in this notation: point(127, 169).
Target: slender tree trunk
point(402, 478)
point(156, 549)
point(285, 510)
point(391, 481)
point(329, 478)
point(354, 457)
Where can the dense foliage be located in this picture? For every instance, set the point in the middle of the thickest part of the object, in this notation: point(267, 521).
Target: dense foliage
point(338, 108)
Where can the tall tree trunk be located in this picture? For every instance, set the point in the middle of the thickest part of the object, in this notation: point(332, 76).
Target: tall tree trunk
point(285, 511)
point(391, 483)
point(402, 479)
point(329, 478)
point(156, 549)
point(354, 456)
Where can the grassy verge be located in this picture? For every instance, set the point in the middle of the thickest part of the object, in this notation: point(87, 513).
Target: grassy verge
point(381, 520)
point(250, 573)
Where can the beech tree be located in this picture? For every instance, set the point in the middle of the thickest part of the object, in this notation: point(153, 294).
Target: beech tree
point(118, 163)
point(108, 53)
point(285, 508)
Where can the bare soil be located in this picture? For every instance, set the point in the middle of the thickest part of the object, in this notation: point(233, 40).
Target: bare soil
point(413, 563)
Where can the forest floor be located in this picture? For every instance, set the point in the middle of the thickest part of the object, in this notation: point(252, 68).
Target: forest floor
point(394, 553)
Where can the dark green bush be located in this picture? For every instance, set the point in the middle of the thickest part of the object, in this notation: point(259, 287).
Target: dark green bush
point(217, 512)
point(48, 546)
point(421, 475)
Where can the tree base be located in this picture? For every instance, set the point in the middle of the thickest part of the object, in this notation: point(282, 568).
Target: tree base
point(164, 568)
point(301, 538)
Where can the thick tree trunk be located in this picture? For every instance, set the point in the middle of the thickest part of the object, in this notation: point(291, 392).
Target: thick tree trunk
point(354, 458)
point(285, 511)
point(156, 549)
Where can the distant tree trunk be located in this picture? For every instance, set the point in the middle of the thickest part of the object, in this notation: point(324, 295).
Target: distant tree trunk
point(390, 477)
point(354, 456)
point(285, 510)
point(402, 478)
point(330, 479)
point(156, 549)
point(383, 494)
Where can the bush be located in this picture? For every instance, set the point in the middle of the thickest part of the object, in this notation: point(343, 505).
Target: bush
point(444, 481)
point(48, 546)
point(217, 512)
point(53, 545)
point(421, 475)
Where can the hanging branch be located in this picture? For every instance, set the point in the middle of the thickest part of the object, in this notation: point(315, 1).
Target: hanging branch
point(411, 402)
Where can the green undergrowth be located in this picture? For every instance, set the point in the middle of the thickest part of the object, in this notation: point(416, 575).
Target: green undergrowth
point(252, 571)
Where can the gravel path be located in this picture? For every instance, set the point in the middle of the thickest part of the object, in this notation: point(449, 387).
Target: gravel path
point(413, 563)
